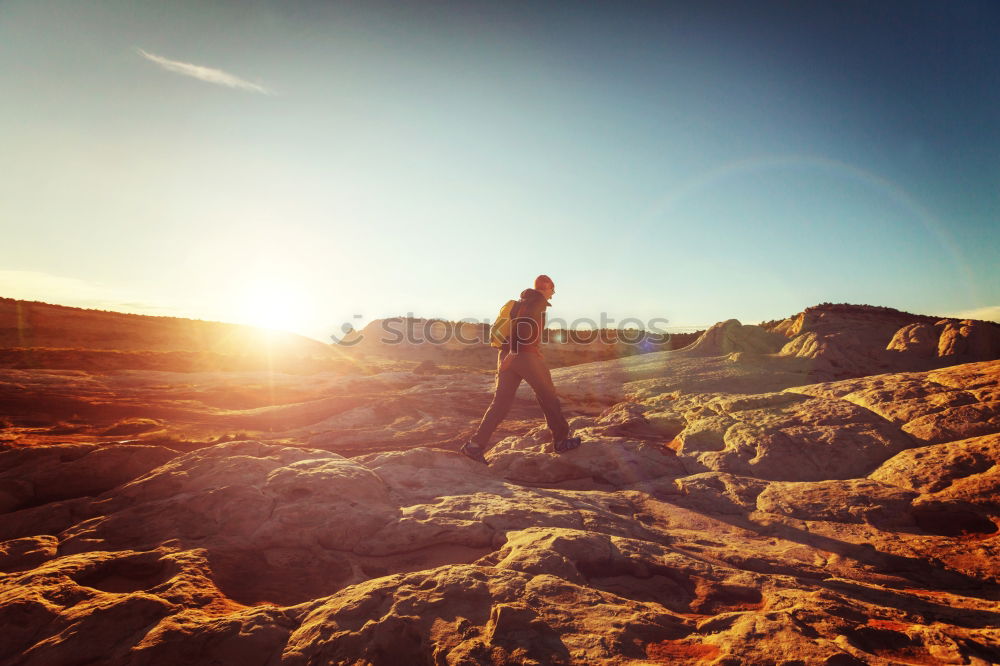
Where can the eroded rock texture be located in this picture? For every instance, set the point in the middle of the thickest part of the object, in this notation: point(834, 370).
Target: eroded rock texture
point(846, 522)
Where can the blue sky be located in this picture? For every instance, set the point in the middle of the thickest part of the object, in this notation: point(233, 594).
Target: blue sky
point(294, 164)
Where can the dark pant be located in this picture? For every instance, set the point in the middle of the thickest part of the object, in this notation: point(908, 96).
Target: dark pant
point(530, 367)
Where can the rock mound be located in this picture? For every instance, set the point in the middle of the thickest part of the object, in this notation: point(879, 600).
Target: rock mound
point(731, 336)
point(852, 340)
point(948, 338)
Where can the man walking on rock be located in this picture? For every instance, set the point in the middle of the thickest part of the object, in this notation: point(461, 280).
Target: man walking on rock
point(521, 358)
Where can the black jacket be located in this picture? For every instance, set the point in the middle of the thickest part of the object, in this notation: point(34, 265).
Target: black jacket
point(526, 328)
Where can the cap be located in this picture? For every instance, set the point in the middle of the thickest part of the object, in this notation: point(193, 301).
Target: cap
point(543, 281)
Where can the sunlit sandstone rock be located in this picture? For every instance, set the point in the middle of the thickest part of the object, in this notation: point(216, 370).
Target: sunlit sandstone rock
point(850, 521)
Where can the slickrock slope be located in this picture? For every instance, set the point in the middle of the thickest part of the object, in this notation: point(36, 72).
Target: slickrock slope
point(845, 522)
point(347, 414)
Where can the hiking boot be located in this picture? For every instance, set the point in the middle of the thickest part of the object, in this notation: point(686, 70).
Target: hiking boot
point(474, 451)
point(567, 444)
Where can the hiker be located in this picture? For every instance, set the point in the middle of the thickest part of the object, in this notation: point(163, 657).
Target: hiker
point(520, 357)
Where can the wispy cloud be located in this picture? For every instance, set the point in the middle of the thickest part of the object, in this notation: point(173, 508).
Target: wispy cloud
point(207, 74)
point(987, 313)
point(61, 290)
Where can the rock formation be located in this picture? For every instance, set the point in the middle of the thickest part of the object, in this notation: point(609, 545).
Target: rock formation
point(731, 336)
point(852, 340)
point(843, 522)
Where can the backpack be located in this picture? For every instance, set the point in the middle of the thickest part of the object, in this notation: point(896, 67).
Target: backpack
point(500, 330)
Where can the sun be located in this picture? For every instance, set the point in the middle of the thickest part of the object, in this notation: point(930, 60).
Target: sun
point(274, 305)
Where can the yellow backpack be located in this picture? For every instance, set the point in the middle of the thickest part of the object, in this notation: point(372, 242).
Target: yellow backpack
point(500, 330)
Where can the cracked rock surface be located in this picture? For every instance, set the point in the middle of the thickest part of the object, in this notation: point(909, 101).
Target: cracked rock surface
point(844, 522)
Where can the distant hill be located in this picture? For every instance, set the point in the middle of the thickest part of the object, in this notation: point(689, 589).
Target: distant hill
point(37, 324)
point(36, 334)
point(842, 339)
